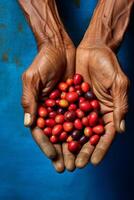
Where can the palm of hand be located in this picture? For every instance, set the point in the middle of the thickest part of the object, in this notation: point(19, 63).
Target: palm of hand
point(50, 66)
point(100, 68)
point(45, 71)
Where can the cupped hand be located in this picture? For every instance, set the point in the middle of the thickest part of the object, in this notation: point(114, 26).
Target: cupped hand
point(54, 63)
point(50, 66)
point(99, 66)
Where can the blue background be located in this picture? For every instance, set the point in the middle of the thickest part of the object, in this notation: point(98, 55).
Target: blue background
point(25, 173)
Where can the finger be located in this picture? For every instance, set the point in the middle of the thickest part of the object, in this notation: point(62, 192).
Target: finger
point(69, 158)
point(103, 145)
point(120, 101)
point(84, 155)
point(82, 64)
point(44, 143)
point(70, 69)
point(29, 99)
point(58, 162)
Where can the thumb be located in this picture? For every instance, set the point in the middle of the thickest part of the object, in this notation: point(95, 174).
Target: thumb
point(29, 103)
point(120, 101)
point(82, 64)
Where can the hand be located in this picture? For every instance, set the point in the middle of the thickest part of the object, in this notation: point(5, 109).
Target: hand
point(99, 67)
point(49, 67)
point(54, 62)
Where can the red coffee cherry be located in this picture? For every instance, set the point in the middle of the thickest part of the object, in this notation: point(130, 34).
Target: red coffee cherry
point(85, 106)
point(52, 114)
point(40, 122)
point(88, 131)
point(78, 79)
point(49, 109)
point(50, 122)
point(63, 95)
point(72, 97)
point(57, 129)
point(63, 103)
point(59, 119)
point(71, 89)
point(72, 107)
point(78, 124)
point(70, 81)
point(99, 129)
point(54, 139)
point(93, 118)
point(57, 102)
point(74, 146)
point(85, 121)
point(50, 103)
point(81, 99)
point(95, 104)
point(42, 112)
point(47, 131)
point(94, 139)
point(68, 126)
point(54, 94)
point(85, 87)
point(77, 87)
point(80, 114)
point(63, 86)
point(69, 139)
point(63, 136)
point(70, 116)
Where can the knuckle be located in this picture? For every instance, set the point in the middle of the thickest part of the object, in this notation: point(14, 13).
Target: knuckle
point(25, 102)
point(23, 76)
point(27, 99)
point(122, 108)
point(126, 81)
point(122, 84)
point(27, 75)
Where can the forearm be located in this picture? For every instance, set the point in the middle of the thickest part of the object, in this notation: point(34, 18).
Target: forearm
point(109, 23)
point(44, 20)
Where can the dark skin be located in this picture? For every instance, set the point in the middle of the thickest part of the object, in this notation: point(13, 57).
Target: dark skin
point(53, 63)
point(98, 65)
point(110, 85)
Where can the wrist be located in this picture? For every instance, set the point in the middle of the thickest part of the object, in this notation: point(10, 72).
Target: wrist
point(109, 23)
point(44, 20)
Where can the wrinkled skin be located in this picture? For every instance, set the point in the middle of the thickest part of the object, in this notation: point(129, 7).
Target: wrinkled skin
point(53, 63)
point(100, 68)
point(49, 67)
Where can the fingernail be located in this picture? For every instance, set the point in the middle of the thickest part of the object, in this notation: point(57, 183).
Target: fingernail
point(81, 162)
point(27, 119)
point(122, 125)
point(59, 167)
point(95, 161)
point(70, 165)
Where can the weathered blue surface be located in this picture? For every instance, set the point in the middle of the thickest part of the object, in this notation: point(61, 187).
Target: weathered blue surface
point(25, 173)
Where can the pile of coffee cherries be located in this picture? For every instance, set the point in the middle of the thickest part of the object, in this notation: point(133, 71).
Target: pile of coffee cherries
point(71, 114)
